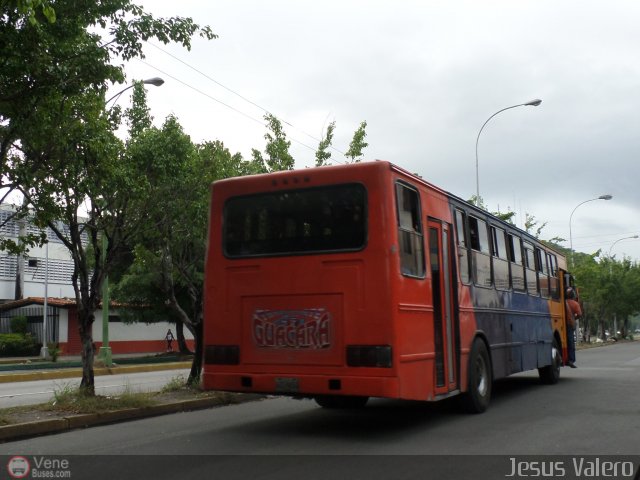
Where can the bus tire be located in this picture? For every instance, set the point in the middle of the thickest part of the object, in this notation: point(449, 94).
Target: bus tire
point(550, 374)
point(478, 395)
point(341, 401)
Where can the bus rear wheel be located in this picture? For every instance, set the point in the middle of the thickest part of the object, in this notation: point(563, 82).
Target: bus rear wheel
point(340, 401)
point(476, 398)
point(550, 374)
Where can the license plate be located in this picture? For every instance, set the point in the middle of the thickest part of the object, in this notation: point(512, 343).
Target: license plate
point(287, 385)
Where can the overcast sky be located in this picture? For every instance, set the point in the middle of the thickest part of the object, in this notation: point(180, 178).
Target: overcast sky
point(425, 76)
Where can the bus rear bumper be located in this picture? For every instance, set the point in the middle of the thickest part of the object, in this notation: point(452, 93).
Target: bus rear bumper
point(302, 385)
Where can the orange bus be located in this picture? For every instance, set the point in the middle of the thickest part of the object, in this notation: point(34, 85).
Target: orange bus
point(347, 282)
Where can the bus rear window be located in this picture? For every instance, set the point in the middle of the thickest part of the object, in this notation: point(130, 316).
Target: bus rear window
point(323, 219)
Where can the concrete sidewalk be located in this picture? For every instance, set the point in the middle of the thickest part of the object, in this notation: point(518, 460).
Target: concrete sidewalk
point(24, 369)
point(75, 372)
point(63, 423)
point(69, 421)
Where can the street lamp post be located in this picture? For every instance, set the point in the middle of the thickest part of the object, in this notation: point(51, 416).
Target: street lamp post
point(44, 350)
point(619, 240)
point(601, 197)
point(532, 103)
point(105, 349)
point(615, 314)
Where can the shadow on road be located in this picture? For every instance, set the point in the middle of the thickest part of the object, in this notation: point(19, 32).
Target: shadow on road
point(382, 418)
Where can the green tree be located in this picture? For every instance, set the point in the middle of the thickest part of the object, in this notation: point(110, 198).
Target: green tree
point(609, 288)
point(56, 140)
point(34, 10)
point(531, 222)
point(357, 145)
point(168, 270)
point(323, 154)
point(277, 149)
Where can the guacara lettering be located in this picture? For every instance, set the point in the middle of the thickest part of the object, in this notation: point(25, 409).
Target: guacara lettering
point(292, 329)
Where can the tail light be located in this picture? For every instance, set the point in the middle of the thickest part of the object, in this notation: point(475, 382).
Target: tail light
point(369, 356)
point(222, 355)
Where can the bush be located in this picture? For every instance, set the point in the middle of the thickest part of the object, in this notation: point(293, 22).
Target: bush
point(54, 350)
point(19, 325)
point(14, 344)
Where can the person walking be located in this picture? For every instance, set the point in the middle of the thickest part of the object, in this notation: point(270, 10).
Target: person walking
point(169, 338)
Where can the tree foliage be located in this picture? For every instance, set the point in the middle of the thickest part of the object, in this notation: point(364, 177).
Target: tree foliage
point(33, 10)
point(168, 267)
point(323, 155)
point(56, 137)
point(609, 288)
point(357, 145)
point(277, 156)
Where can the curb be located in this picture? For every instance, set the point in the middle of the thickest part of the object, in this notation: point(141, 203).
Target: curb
point(74, 421)
point(77, 372)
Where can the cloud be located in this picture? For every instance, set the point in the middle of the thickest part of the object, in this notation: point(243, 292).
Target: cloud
point(426, 76)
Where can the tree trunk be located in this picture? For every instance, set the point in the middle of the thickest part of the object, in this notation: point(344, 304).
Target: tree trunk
point(624, 331)
point(182, 343)
point(87, 385)
point(196, 366)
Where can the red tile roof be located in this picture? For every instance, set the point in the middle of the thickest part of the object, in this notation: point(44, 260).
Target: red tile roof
point(54, 302)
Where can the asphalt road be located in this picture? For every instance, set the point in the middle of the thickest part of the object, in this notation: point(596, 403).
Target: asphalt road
point(594, 410)
point(41, 391)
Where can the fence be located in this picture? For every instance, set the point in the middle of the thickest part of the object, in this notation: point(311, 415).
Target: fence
point(35, 319)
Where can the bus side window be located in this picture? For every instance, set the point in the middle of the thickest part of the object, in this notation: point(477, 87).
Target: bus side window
point(410, 235)
point(530, 268)
point(500, 263)
point(517, 269)
point(463, 252)
point(554, 282)
point(543, 271)
point(480, 256)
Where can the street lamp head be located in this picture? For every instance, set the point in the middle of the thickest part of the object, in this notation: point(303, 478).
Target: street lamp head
point(157, 81)
point(605, 197)
point(534, 103)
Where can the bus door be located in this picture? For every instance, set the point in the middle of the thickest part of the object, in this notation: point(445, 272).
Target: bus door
point(440, 260)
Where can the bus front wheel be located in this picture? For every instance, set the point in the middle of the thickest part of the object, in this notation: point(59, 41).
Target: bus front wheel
point(339, 401)
point(476, 398)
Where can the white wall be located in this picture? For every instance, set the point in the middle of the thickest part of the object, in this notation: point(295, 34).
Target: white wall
point(63, 325)
point(120, 331)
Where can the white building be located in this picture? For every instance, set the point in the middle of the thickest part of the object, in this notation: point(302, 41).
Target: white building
point(52, 262)
point(53, 256)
